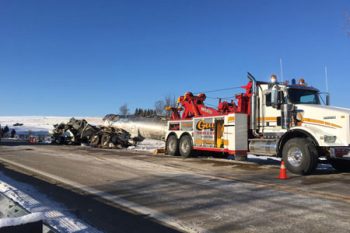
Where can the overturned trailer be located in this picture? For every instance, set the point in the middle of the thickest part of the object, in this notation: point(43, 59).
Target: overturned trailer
point(147, 127)
point(77, 132)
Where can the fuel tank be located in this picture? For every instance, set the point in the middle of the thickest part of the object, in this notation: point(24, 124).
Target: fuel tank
point(147, 127)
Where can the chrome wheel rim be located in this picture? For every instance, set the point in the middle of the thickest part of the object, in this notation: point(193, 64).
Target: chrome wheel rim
point(295, 156)
point(172, 145)
point(185, 146)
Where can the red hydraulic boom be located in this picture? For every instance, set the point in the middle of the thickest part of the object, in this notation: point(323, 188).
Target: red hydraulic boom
point(193, 105)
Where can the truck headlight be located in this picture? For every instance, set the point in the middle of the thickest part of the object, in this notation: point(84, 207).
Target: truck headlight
point(330, 139)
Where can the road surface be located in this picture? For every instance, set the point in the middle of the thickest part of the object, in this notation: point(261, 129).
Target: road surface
point(190, 195)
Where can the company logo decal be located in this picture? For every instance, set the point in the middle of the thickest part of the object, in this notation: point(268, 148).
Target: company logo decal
point(202, 125)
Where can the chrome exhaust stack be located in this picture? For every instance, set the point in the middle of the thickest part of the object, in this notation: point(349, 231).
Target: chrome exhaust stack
point(253, 125)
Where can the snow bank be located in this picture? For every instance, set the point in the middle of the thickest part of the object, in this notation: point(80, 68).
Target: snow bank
point(260, 157)
point(40, 123)
point(51, 212)
point(29, 218)
point(148, 145)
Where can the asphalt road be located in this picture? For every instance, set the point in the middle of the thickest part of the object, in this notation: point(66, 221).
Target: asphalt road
point(167, 193)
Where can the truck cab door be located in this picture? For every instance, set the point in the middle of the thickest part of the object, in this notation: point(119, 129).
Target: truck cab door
point(271, 117)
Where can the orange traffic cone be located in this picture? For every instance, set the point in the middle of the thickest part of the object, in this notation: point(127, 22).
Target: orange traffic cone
point(283, 172)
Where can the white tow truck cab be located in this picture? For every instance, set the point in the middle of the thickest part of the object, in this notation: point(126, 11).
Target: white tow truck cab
point(271, 119)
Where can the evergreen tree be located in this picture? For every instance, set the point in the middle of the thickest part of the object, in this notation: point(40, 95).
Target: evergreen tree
point(13, 133)
point(6, 130)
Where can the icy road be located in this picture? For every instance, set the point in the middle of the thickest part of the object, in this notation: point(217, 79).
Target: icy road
point(169, 194)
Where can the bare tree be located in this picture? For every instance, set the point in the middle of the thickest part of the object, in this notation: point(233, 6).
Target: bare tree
point(159, 107)
point(124, 110)
point(170, 101)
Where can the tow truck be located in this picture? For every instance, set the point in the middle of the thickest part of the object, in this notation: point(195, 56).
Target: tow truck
point(279, 119)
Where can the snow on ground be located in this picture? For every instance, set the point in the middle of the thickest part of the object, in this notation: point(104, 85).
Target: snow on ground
point(40, 123)
point(34, 217)
point(324, 166)
point(148, 145)
point(254, 157)
point(321, 166)
point(53, 213)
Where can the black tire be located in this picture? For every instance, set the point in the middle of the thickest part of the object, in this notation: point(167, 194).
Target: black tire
point(300, 156)
point(340, 165)
point(95, 141)
point(185, 146)
point(172, 146)
point(60, 140)
point(105, 140)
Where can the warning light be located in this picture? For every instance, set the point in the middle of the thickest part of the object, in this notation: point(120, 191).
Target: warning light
point(273, 78)
point(301, 82)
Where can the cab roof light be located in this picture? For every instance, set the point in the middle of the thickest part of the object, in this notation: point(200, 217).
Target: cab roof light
point(302, 82)
point(273, 78)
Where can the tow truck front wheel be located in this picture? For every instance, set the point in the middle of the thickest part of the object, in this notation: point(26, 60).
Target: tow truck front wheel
point(172, 146)
point(300, 156)
point(340, 165)
point(185, 146)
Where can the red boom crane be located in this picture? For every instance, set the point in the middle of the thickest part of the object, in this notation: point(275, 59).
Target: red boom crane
point(193, 105)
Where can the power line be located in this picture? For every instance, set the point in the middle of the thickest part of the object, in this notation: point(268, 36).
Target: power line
point(223, 98)
point(217, 90)
point(211, 105)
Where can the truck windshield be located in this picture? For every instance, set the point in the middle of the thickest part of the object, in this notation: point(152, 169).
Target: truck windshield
point(299, 96)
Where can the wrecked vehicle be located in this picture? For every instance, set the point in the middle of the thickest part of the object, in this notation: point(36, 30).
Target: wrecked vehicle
point(148, 127)
point(77, 132)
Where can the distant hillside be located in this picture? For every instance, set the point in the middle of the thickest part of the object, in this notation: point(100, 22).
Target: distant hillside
point(40, 124)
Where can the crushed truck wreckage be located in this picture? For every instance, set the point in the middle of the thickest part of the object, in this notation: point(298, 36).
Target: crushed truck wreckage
point(77, 132)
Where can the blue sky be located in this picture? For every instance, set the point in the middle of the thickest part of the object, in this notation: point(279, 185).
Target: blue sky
point(87, 57)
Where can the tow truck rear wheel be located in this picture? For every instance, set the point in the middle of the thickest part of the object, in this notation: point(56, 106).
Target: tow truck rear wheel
point(185, 146)
point(300, 156)
point(340, 165)
point(172, 146)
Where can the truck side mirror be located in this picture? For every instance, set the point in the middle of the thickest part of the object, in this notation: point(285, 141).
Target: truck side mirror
point(274, 98)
